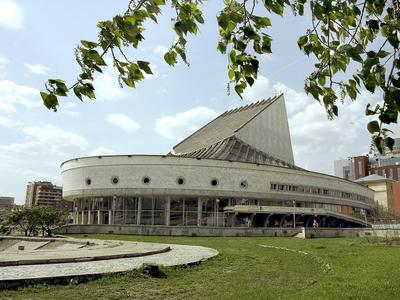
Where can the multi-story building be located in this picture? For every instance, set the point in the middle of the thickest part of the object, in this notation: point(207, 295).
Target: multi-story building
point(380, 172)
point(386, 165)
point(6, 203)
point(384, 197)
point(47, 194)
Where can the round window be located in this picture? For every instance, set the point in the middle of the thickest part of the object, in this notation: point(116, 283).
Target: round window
point(180, 180)
point(146, 180)
point(214, 182)
point(243, 184)
point(88, 181)
point(114, 180)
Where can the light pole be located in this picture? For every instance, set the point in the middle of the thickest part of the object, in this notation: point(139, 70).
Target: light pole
point(217, 208)
point(294, 213)
point(362, 212)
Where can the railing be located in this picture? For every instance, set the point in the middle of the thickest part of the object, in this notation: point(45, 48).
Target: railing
point(291, 210)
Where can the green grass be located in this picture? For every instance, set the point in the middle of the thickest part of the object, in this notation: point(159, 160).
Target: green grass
point(333, 269)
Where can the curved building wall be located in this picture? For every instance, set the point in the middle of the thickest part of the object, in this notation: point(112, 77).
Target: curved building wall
point(93, 176)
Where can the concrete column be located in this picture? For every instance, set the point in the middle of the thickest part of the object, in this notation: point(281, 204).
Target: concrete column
point(82, 217)
point(76, 217)
point(110, 217)
point(233, 220)
point(167, 210)
point(184, 212)
point(89, 217)
point(139, 212)
point(99, 217)
point(199, 210)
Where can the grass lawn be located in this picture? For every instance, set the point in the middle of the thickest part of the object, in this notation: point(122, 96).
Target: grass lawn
point(341, 268)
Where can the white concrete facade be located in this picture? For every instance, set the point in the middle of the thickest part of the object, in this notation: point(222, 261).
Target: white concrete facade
point(164, 171)
point(243, 157)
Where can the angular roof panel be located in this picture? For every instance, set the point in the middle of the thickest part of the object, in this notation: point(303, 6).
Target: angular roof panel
point(233, 149)
point(222, 127)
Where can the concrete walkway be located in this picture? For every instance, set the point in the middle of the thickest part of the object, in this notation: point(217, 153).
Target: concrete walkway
point(67, 250)
point(178, 255)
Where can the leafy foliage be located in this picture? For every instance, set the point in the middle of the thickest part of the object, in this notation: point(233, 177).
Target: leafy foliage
point(31, 220)
point(342, 34)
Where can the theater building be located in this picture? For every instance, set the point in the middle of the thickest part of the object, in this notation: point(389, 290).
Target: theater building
point(236, 171)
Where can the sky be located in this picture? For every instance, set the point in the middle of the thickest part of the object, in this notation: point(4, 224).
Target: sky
point(38, 40)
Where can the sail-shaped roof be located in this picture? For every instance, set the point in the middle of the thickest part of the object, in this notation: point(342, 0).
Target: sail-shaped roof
point(256, 132)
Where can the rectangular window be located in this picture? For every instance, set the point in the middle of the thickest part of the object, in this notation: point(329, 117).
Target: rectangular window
point(147, 203)
point(146, 217)
point(191, 204)
point(360, 168)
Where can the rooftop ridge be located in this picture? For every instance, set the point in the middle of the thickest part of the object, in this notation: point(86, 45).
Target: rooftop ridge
point(223, 126)
point(213, 152)
point(247, 106)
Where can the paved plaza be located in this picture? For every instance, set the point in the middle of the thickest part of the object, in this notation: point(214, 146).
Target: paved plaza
point(86, 258)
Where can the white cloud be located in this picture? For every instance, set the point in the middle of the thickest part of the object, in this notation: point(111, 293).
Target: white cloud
point(160, 49)
point(11, 15)
point(184, 123)
point(37, 69)
point(316, 140)
point(7, 107)
point(68, 109)
point(107, 86)
point(28, 148)
point(37, 156)
point(161, 91)
point(101, 151)
point(33, 175)
point(7, 122)
point(70, 105)
point(55, 139)
point(3, 60)
point(12, 94)
point(123, 121)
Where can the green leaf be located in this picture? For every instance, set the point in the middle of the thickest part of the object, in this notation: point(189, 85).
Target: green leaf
point(369, 112)
point(389, 143)
point(373, 127)
point(223, 20)
point(221, 47)
point(89, 44)
point(379, 143)
point(144, 65)
point(370, 84)
point(44, 96)
point(239, 88)
point(373, 25)
point(128, 82)
point(383, 53)
point(261, 21)
point(250, 80)
point(249, 32)
point(302, 41)
point(231, 74)
point(95, 56)
point(49, 100)
point(77, 92)
point(170, 58)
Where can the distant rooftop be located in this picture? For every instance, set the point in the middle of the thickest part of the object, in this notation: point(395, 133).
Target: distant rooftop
point(371, 178)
